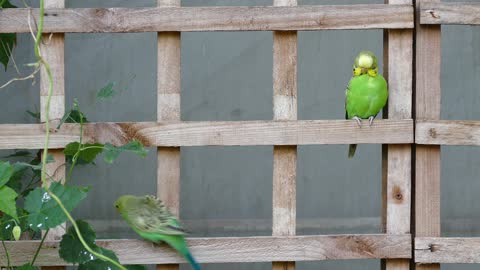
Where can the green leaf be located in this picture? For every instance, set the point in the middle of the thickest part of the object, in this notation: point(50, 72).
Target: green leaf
point(73, 116)
point(7, 42)
point(71, 249)
point(136, 267)
point(15, 181)
point(22, 153)
point(6, 171)
point(87, 155)
point(45, 212)
point(98, 264)
point(112, 152)
point(8, 204)
point(6, 227)
point(35, 115)
point(26, 267)
point(106, 92)
point(6, 4)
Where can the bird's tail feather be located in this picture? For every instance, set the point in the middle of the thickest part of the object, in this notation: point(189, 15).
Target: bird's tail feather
point(192, 261)
point(351, 150)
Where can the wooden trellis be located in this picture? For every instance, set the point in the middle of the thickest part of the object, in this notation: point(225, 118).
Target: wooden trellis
point(430, 133)
point(285, 132)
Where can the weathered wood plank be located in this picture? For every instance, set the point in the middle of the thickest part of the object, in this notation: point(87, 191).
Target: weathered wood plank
point(447, 132)
point(165, 19)
point(284, 208)
point(450, 13)
point(52, 49)
point(302, 132)
point(235, 249)
point(168, 109)
point(399, 49)
point(427, 106)
point(447, 250)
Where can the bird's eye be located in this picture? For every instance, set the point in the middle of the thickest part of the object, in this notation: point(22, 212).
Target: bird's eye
point(116, 206)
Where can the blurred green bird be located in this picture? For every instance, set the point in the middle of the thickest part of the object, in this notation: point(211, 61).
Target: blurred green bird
point(366, 93)
point(150, 218)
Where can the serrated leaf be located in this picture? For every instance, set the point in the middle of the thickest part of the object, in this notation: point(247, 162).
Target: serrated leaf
point(6, 171)
point(44, 211)
point(112, 152)
point(106, 92)
point(86, 155)
point(7, 42)
point(26, 267)
point(8, 204)
point(71, 249)
point(98, 264)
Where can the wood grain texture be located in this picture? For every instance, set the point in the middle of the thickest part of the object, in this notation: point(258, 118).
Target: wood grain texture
point(301, 132)
point(235, 249)
point(397, 189)
point(447, 250)
point(284, 209)
point(427, 106)
point(168, 109)
point(447, 132)
point(52, 49)
point(166, 19)
point(400, 54)
point(450, 13)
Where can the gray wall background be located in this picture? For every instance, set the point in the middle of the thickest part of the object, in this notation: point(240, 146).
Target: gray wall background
point(227, 76)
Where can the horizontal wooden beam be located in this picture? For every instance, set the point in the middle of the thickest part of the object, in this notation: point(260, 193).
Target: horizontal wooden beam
point(234, 249)
point(160, 19)
point(447, 132)
point(447, 250)
point(303, 132)
point(450, 13)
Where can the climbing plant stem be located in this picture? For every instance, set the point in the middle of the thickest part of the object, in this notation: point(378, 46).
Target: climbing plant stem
point(39, 246)
point(80, 237)
point(8, 255)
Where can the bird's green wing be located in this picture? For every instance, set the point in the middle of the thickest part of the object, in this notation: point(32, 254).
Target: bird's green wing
point(150, 215)
point(346, 97)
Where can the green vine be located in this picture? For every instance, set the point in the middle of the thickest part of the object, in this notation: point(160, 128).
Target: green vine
point(62, 196)
point(7, 254)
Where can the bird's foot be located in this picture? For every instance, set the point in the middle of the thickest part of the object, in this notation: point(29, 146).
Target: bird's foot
point(359, 121)
point(370, 120)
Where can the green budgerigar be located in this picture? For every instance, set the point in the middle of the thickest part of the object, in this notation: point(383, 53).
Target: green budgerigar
point(366, 93)
point(150, 218)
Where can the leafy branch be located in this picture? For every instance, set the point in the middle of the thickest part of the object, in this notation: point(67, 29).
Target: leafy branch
point(50, 205)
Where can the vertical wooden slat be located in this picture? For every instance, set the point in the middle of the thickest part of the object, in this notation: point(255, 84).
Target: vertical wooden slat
point(168, 109)
point(398, 52)
point(284, 157)
point(52, 50)
point(427, 106)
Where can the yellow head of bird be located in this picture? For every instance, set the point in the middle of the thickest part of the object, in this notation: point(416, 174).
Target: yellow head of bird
point(365, 63)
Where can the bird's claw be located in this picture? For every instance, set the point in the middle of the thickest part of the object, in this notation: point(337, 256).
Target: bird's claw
point(370, 120)
point(359, 121)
